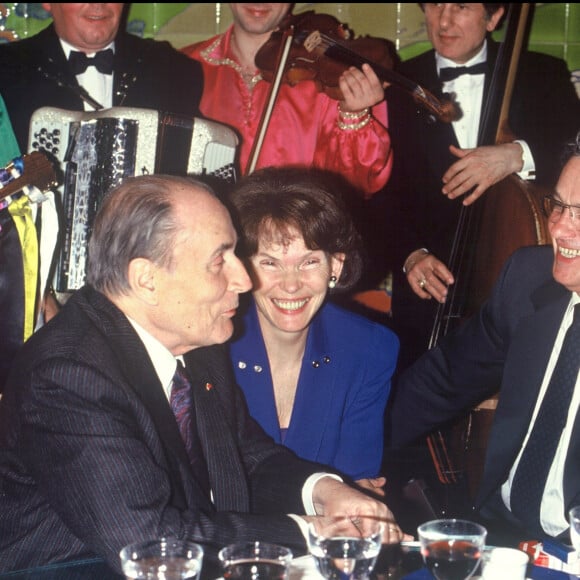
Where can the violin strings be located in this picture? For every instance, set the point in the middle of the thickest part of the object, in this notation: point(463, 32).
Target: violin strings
point(353, 58)
point(328, 42)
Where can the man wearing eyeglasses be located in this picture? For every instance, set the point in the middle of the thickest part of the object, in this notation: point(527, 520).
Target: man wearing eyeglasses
point(526, 337)
point(440, 166)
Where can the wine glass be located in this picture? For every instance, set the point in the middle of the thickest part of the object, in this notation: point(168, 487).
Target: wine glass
point(451, 548)
point(163, 559)
point(574, 514)
point(255, 561)
point(342, 553)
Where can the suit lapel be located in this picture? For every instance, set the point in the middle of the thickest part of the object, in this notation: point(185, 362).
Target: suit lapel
point(127, 69)
point(437, 135)
point(524, 379)
point(226, 471)
point(134, 362)
point(315, 392)
point(54, 66)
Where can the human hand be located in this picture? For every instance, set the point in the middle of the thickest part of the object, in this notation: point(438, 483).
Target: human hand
point(480, 168)
point(374, 484)
point(428, 276)
point(361, 88)
point(335, 499)
point(51, 307)
point(357, 526)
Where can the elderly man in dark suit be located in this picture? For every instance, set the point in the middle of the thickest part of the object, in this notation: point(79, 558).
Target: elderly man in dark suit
point(134, 72)
point(91, 456)
point(526, 337)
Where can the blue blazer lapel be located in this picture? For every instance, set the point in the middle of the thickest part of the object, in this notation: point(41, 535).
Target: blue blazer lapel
point(251, 352)
point(316, 387)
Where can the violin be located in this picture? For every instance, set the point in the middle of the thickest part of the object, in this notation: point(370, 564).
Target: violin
point(323, 48)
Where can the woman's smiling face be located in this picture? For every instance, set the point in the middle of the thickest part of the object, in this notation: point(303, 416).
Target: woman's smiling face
point(290, 280)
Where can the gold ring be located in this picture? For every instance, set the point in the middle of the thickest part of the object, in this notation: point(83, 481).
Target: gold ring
point(422, 283)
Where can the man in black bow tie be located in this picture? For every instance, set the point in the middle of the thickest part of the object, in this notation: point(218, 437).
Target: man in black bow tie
point(133, 72)
point(440, 166)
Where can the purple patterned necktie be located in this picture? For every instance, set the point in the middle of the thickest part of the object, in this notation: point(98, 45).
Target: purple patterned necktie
point(181, 401)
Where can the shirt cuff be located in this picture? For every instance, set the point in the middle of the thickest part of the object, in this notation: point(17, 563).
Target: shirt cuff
point(308, 489)
point(302, 524)
point(528, 170)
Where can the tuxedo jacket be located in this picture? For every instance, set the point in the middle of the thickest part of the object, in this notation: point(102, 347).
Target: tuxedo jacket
point(147, 73)
point(343, 386)
point(91, 458)
point(544, 112)
point(506, 345)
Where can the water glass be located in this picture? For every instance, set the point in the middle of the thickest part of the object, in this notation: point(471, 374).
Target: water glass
point(346, 555)
point(574, 514)
point(255, 561)
point(163, 559)
point(451, 548)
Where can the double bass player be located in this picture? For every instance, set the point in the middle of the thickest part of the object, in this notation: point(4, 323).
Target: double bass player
point(438, 167)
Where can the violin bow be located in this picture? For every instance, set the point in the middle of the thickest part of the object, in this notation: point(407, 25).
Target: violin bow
point(274, 88)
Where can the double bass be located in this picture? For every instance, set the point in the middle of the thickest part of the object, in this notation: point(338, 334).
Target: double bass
point(507, 217)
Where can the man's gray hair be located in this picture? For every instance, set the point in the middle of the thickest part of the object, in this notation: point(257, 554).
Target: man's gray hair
point(136, 220)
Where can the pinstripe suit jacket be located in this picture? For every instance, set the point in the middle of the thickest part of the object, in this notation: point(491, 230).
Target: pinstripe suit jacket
point(91, 458)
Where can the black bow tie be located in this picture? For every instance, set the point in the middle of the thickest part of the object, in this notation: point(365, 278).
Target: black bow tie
point(103, 61)
point(451, 73)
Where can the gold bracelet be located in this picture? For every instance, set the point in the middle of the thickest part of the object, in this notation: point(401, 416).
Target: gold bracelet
point(353, 126)
point(353, 115)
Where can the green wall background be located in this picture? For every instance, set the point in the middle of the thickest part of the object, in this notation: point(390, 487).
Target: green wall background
point(555, 27)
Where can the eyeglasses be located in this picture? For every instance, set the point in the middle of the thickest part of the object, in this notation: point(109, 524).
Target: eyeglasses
point(554, 208)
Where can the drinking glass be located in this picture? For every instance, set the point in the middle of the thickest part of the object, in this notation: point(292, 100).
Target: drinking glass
point(163, 559)
point(574, 514)
point(451, 548)
point(255, 561)
point(341, 555)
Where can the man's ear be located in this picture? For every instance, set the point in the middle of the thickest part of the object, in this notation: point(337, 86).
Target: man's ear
point(495, 19)
point(142, 276)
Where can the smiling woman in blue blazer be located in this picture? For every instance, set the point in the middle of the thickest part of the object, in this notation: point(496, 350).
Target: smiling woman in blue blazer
point(316, 376)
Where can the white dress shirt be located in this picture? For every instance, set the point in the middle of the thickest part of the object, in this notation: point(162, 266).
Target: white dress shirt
point(468, 90)
point(552, 510)
point(98, 85)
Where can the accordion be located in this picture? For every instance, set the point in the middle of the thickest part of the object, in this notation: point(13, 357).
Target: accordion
point(96, 150)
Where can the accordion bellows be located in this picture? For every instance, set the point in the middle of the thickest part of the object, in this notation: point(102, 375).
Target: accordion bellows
point(97, 149)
